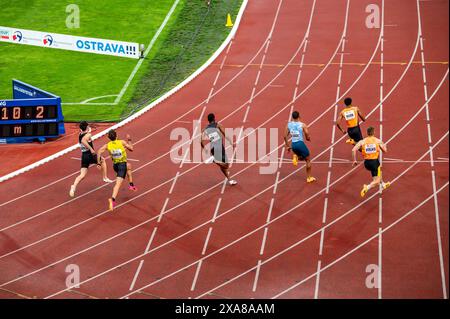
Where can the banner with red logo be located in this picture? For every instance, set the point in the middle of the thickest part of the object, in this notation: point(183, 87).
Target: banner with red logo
point(69, 42)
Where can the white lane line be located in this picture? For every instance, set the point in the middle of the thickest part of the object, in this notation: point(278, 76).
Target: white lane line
point(138, 270)
point(316, 288)
point(362, 244)
point(263, 243)
point(380, 188)
point(330, 165)
point(255, 282)
point(149, 47)
point(234, 152)
point(433, 176)
point(276, 180)
point(197, 271)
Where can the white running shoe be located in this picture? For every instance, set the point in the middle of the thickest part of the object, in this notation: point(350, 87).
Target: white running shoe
point(107, 180)
point(232, 182)
point(72, 191)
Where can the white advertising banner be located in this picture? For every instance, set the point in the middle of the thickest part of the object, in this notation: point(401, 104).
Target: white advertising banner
point(69, 42)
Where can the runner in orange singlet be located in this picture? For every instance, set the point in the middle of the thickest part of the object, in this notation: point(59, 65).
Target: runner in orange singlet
point(371, 147)
point(351, 114)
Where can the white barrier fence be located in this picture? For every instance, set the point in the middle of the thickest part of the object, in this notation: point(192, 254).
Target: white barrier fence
point(69, 42)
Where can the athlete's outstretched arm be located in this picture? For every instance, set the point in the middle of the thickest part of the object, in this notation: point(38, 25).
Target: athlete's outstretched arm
point(100, 152)
point(128, 144)
point(362, 117)
point(354, 150)
point(338, 123)
point(306, 132)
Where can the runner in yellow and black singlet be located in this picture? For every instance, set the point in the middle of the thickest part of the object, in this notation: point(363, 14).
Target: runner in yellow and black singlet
point(117, 149)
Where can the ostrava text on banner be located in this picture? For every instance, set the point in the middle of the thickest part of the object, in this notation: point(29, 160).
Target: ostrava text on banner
point(69, 42)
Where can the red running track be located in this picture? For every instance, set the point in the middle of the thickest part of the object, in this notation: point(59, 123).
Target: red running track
point(184, 235)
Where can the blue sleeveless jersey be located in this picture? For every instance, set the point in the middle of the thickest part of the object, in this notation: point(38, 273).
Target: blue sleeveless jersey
point(296, 130)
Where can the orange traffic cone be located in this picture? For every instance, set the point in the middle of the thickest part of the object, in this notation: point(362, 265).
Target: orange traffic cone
point(229, 22)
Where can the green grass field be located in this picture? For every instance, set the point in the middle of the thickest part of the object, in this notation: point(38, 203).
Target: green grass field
point(193, 33)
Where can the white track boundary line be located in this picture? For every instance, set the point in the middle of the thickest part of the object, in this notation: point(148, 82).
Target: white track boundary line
point(147, 108)
point(433, 174)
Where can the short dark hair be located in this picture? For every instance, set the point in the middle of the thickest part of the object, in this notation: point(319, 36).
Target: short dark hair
point(295, 115)
point(211, 117)
point(348, 101)
point(84, 125)
point(112, 135)
point(370, 131)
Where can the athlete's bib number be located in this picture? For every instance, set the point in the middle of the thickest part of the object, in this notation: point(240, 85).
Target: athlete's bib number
point(116, 154)
point(370, 148)
point(214, 137)
point(349, 115)
point(83, 148)
point(295, 133)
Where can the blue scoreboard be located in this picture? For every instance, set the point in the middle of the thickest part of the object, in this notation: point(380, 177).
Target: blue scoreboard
point(33, 114)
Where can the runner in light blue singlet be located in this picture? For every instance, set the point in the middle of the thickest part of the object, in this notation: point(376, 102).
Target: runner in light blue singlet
point(298, 132)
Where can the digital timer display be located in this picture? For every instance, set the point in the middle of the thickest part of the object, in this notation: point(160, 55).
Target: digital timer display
point(39, 112)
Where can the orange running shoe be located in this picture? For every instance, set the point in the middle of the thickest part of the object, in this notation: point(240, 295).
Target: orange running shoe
point(295, 160)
